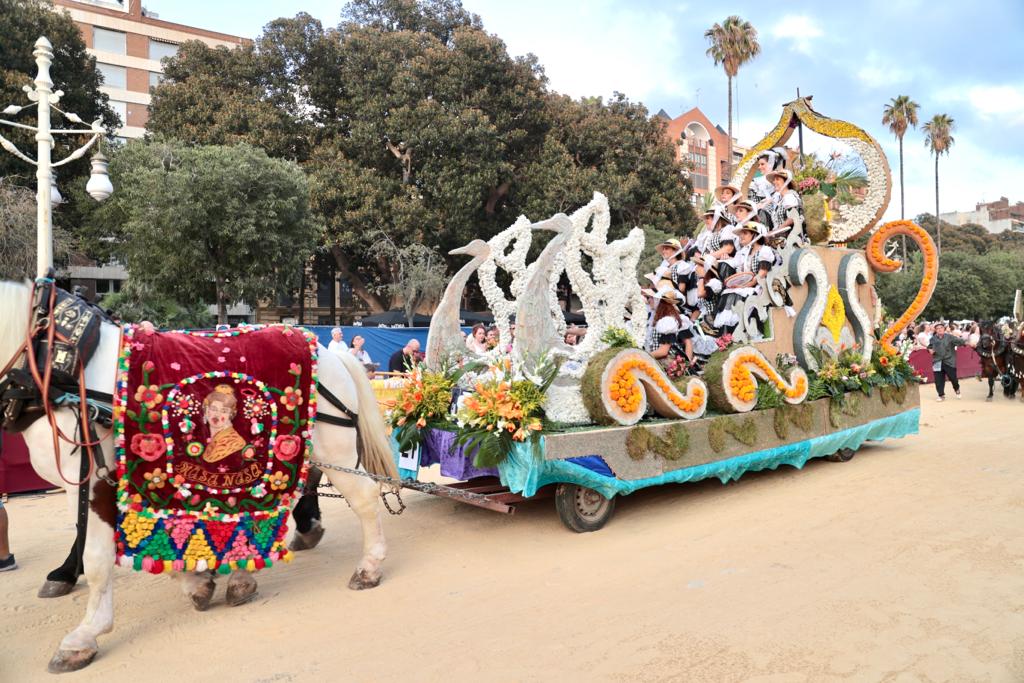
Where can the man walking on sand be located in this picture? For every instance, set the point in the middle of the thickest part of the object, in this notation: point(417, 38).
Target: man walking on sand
point(943, 348)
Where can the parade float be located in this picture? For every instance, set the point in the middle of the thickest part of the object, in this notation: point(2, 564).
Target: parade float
point(808, 375)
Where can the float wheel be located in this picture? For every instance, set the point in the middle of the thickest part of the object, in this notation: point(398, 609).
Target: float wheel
point(842, 455)
point(582, 509)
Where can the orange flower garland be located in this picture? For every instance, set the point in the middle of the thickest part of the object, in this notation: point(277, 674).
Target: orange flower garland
point(632, 379)
point(741, 371)
point(880, 262)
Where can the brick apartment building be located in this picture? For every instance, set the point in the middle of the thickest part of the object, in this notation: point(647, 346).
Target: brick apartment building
point(704, 146)
point(128, 43)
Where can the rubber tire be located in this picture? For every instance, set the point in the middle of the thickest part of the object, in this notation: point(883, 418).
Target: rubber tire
point(575, 519)
point(842, 455)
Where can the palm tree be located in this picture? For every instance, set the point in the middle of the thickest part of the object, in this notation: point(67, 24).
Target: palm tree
point(733, 44)
point(900, 114)
point(938, 137)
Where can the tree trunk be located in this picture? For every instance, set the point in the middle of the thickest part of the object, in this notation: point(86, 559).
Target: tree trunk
point(728, 146)
point(902, 204)
point(938, 221)
point(222, 304)
point(359, 286)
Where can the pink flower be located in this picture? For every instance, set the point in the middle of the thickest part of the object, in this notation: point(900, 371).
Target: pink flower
point(221, 359)
point(225, 350)
point(175, 366)
point(148, 366)
point(149, 447)
point(241, 359)
point(295, 369)
point(287, 446)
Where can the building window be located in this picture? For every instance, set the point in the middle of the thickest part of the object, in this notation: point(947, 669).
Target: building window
point(159, 49)
point(698, 158)
point(155, 79)
point(105, 40)
point(345, 294)
point(121, 109)
point(104, 287)
point(113, 76)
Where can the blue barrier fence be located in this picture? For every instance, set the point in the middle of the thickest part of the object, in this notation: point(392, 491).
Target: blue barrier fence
point(381, 342)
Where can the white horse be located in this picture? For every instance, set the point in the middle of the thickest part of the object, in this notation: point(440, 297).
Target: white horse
point(332, 445)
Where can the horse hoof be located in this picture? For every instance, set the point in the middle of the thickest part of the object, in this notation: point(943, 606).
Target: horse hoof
point(988, 399)
point(241, 592)
point(362, 580)
point(202, 596)
point(55, 589)
point(70, 660)
point(308, 540)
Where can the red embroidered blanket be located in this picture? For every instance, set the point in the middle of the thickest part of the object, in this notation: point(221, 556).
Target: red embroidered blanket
point(212, 437)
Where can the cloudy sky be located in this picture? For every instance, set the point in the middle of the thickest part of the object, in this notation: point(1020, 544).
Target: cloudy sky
point(959, 58)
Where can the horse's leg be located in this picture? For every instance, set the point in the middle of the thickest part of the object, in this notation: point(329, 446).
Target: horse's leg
point(198, 587)
point(308, 529)
point(79, 647)
point(62, 580)
point(991, 387)
point(241, 588)
point(363, 496)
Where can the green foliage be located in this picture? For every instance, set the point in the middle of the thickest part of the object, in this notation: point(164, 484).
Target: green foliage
point(716, 434)
point(892, 368)
point(135, 304)
point(206, 224)
point(743, 429)
point(618, 338)
point(410, 118)
point(768, 396)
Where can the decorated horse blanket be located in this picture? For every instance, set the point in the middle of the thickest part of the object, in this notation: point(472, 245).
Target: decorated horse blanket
point(212, 437)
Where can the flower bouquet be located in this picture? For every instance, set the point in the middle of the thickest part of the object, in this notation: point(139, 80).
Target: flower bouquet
point(423, 401)
point(840, 372)
point(503, 409)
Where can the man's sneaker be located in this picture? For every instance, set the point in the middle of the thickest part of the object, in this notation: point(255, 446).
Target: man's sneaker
point(8, 564)
point(958, 396)
point(940, 399)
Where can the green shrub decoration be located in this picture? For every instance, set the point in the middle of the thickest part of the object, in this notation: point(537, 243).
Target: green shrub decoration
point(768, 396)
point(743, 430)
point(716, 434)
point(781, 422)
point(673, 446)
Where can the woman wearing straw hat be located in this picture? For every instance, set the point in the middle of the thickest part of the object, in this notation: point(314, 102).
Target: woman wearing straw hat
point(761, 190)
point(672, 332)
point(752, 262)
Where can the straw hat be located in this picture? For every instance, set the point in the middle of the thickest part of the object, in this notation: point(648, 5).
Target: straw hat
point(744, 203)
point(728, 186)
point(784, 173)
point(759, 229)
point(673, 244)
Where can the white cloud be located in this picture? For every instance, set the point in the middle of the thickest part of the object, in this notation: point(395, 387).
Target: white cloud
point(592, 48)
point(1005, 102)
point(799, 29)
point(877, 72)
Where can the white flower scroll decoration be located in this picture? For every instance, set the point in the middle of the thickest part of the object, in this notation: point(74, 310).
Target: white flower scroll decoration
point(514, 262)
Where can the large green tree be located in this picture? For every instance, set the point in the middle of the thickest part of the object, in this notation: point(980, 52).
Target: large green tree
point(732, 44)
point(22, 22)
point(207, 224)
point(413, 121)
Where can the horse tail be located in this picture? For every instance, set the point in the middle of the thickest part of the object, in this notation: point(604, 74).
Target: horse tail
point(374, 437)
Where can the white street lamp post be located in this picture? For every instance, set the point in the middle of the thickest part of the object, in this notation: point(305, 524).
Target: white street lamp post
point(99, 186)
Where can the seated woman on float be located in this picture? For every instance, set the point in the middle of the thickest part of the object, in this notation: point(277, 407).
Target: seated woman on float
point(671, 252)
point(761, 189)
point(725, 197)
point(672, 332)
point(751, 264)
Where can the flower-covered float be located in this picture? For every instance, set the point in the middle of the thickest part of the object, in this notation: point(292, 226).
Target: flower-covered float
point(804, 374)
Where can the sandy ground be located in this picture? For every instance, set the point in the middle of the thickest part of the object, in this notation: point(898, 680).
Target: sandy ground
point(905, 564)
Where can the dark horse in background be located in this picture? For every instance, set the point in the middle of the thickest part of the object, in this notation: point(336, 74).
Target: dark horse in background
point(1001, 358)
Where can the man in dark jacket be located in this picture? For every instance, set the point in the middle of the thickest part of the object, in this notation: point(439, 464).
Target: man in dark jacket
point(405, 357)
point(943, 348)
